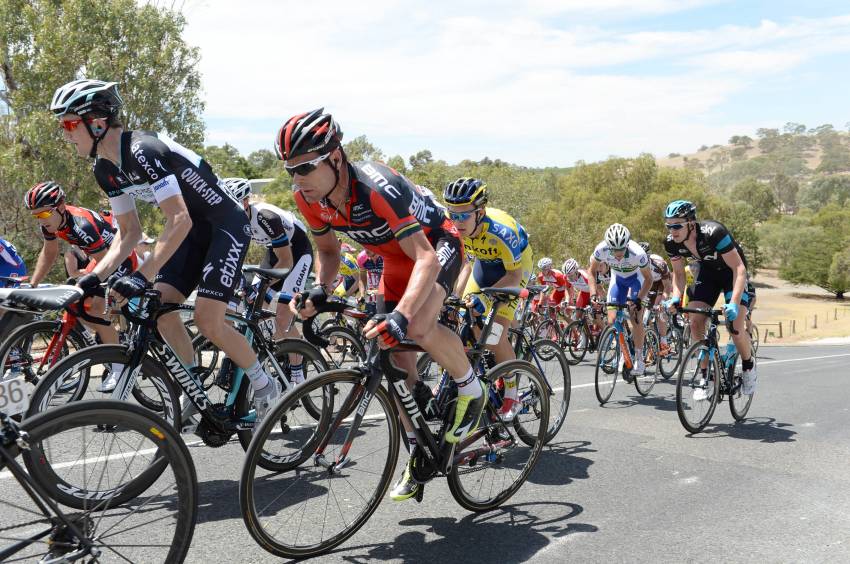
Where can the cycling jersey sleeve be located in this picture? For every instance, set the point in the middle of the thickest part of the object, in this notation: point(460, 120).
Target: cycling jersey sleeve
point(393, 201)
point(672, 249)
point(273, 225)
point(151, 157)
point(720, 238)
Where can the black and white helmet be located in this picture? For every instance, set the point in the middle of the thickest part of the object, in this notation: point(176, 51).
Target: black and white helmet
point(617, 236)
point(570, 266)
point(87, 98)
point(239, 188)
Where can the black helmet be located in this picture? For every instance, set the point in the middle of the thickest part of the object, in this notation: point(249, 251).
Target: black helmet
point(644, 245)
point(465, 191)
point(87, 98)
point(306, 133)
point(43, 195)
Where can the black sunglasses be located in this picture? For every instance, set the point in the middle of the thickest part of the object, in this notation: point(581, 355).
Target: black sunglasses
point(674, 226)
point(306, 168)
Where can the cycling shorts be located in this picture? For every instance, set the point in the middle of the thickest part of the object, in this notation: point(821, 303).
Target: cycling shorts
point(583, 300)
point(710, 283)
point(624, 287)
point(210, 258)
point(484, 275)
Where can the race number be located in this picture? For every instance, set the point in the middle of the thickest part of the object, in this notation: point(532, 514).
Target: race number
point(14, 398)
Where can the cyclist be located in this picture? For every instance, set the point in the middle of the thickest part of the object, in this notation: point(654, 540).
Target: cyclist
point(11, 263)
point(348, 280)
point(90, 232)
point(578, 287)
point(722, 269)
point(501, 256)
point(630, 281)
point(552, 278)
point(206, 232)
point(287, 246)
point(662, 286)
point(386, 213)
point(371, 267)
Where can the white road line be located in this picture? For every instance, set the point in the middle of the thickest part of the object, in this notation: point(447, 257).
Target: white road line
point(762, 363)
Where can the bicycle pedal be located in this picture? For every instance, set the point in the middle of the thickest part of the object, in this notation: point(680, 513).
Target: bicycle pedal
point(420, 493)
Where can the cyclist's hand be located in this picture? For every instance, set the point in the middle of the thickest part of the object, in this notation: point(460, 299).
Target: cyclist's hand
point(730, 311)
point(646, 303)
point(475, 305)
point(89, 282)
point(635, 303)
point(672, 304)
point(129, 286)
point(390, 331)
point(304, 305)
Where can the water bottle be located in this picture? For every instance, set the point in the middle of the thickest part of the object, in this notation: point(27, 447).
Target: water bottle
point(730, 353)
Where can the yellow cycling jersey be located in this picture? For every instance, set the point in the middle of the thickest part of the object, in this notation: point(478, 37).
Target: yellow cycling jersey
point(501, 240)
point(348, 265)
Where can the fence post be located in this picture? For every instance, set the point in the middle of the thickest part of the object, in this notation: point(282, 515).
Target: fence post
point(815, 325)
point(780, 329)
point(835, 315)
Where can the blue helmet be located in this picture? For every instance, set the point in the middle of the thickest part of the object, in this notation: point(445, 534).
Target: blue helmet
point(680, 208)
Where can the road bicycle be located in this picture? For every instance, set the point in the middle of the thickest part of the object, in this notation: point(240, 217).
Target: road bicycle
point(707, 376)
point(616, 353)
point(332, 474)
point(69, 455)
point(581, 336)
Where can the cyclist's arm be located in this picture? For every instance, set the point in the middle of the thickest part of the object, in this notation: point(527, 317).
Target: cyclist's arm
point(177, 227)
point(129, 233)
point(361, 286)
point(463, 277)
point(646, 271)
point(739, 274)
point(46, 258)
point(284, 256)
point(510, 279)
point(678, 289)
point(354, 287)
point(424, 274)
point(72, 265)
point(668, 286)
point(591, 276)
point(327, 259)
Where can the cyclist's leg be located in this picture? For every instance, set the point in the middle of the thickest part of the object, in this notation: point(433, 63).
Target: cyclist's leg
point(741, 338)
point(295, 283)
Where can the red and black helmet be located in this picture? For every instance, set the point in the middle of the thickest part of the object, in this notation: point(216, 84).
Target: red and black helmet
point(44, 195)
point(310, 132)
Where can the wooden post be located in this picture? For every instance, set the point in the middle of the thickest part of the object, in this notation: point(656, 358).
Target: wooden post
point(815, 324)
point(793, 326)
point(835, 316)
point(780, 329)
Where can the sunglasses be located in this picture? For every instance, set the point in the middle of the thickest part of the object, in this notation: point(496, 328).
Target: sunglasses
point(43, 214)
point(70, 124)
point(460, 217)
point(674, 226)
point(305, 168)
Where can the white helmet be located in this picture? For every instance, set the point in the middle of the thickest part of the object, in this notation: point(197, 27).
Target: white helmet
point(570, 266)
point(87, 98)
point(617, 236)
point(544, 263)
point(239, 188)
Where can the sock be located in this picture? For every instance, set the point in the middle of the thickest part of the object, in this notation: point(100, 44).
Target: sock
point(117, 368)
point(638, 354)
point(663, 340)
point(747, 364)
point(411, 441)
point(259, 378)
point(465, 387)
point(297, 372)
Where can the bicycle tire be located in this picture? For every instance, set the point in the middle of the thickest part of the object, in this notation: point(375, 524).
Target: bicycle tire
point(560, 384)
point(171, 453)
point(26, 333)
point(686, 383)
point(534, 439)
point(754, 337)
point(645, 382)
point(352, 351)
point(248, 496)
point(603, 388)
point(739, 403)
point(676, 341)
point(575, 350)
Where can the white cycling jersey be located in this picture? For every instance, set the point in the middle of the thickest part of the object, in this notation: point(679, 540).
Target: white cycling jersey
point(633, 260)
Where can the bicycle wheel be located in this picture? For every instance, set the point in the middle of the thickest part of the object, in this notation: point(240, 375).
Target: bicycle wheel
point(754, 336)
point(68, 446)
point(73, 379)
point(492, 463)
point(26, 348)
point(607, 358)
point(345, 349)
point(739, 403)
point(548, 330)
point(669, 363)
point(550, 360)
point(304, 509)
point(697, 388)
point(576, 339)
point(646, 381)
point(313, 364)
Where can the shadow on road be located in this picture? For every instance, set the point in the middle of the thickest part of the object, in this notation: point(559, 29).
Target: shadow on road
point(763, 429)
point(560, 464)
point(218, 501)
point(512, 533)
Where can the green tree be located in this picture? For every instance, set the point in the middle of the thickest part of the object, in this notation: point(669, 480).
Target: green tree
point(758, 195)
point(833, 189)
point(46, 43)
point(226, 161)
point(785, 190)
point(265, 163)
point(839, 272)
point(360, 149)
point(397, 162)
point(421, 159)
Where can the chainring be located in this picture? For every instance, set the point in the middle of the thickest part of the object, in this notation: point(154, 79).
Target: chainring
point(422, 470)
point(213, 437)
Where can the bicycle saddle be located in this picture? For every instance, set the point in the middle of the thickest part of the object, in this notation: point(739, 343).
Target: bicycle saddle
point(515, 292)
point(54, 298)
point(267, 272)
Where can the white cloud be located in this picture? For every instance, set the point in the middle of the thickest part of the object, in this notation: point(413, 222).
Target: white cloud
point(520, 86)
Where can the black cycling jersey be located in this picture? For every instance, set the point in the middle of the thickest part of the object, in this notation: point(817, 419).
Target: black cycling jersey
point(154, 168)
point(90, 231)
point(274, 227)
point(713, 241)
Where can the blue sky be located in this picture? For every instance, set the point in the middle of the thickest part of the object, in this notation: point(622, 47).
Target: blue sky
point(534, 82)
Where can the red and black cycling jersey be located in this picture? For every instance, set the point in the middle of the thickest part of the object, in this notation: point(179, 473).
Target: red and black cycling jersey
point(713, 241)
point(89, 230)
point(384, 207)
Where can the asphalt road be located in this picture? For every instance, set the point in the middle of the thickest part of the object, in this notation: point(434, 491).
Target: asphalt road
point(623, 483)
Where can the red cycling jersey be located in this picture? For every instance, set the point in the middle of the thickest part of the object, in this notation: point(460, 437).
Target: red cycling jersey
point(91, 232)
point(556, 280)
